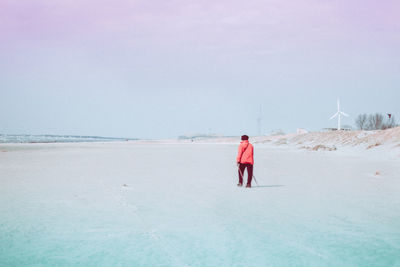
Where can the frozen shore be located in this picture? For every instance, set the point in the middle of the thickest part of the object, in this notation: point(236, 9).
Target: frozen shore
point(176, 204)
point(385, 142)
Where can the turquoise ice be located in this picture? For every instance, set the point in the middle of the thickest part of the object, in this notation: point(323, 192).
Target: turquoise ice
point(132, 204)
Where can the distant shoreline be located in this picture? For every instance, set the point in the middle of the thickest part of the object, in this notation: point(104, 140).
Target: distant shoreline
point(47, 138)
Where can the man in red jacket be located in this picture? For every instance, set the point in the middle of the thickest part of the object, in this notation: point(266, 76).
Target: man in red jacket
point(245, 160)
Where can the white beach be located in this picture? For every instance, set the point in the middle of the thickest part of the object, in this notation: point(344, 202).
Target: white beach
point(177, 204)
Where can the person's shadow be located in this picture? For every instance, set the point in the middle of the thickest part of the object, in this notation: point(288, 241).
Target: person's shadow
point(274, 185)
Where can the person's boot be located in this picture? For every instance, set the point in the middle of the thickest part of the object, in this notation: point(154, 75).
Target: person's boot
point(248, 185)
point(240, 184)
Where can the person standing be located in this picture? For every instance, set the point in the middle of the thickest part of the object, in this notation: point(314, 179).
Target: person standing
point(245, 160)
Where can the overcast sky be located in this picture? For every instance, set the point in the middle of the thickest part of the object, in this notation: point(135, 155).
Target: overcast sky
point(157, 69)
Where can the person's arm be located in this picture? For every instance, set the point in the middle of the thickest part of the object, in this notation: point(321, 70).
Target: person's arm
point(252, 154)
point(240, 153)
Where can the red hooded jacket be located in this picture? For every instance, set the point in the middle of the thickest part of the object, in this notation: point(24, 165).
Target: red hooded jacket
point(245, 153)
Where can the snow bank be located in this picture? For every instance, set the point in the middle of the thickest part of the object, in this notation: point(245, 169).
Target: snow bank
point(383, 143)
point(367, 139)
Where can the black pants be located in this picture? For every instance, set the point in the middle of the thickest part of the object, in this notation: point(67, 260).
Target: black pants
point(242, 167)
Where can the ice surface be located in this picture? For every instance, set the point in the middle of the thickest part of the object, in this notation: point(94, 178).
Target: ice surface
point(136, 204)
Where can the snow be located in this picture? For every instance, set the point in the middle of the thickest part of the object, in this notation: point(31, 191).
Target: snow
point(390, 137)
point(175, 203)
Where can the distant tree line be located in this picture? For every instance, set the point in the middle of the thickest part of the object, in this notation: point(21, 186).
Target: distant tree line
point(375, 121)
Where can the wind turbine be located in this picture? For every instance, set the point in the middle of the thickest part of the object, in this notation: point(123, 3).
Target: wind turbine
point(338, 114)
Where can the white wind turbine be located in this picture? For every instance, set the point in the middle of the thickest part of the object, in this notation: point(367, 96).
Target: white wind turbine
point(338, 114)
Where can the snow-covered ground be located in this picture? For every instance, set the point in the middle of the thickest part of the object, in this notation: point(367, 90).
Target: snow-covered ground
point(350, 141)
point(177, 204)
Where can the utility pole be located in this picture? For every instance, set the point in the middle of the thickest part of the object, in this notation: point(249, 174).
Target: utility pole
point(259, 122)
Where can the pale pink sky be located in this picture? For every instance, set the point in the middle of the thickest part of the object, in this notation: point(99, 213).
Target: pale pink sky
point(166, 64)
